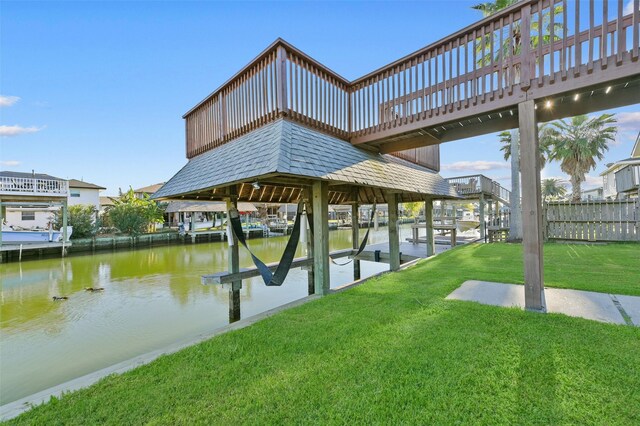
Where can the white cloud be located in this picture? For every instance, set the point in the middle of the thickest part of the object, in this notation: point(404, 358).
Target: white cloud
point(477, 166)
point(628, 8)
point(7, 101)
point(16, 130)
point(628, 121)
point(10, 163)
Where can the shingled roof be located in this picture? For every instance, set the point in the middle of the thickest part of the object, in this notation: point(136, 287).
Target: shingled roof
point(289, 149)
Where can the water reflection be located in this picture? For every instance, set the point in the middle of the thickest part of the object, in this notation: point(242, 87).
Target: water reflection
point(152, 298)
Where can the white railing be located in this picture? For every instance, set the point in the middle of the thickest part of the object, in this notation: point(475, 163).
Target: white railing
point(33, 186)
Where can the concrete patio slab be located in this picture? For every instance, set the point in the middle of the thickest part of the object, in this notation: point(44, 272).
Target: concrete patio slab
point(575, 303)
point(631, 305)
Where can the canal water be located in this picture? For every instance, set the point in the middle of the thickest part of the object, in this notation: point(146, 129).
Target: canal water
point(152, 298)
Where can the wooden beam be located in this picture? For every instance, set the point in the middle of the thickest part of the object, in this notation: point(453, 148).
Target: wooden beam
point(321, 237)
point(483, 226)
point(467, 130)
point(428, 217)
point(531, 208)
point(408, 143)
point(246, 273)
point(233, 259)
point(355, 232)
point(394, 241)
point(308, 199)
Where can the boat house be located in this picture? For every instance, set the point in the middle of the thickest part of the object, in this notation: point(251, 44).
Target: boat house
point(286, 127)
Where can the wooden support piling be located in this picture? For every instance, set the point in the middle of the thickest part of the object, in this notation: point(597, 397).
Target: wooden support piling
point(65, 222)
point(531, 208)
point(311, 289)
point(233, 261)
point(483, 225)
point(320, 203)
point(428, 216)
point(355, 233)
point(394, 241)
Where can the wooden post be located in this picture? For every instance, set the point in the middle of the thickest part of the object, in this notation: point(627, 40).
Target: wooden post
point(394, 241)
point(281, 82)
point(483, 228)
point(320, 191)
point(515, 221)
point(527, 63)
point(375, 222)
point(531, 208)
point(428, 217)
point(355, 233)
point(233, 261)
point(192, 227)
point(311, 289)
point(2, 215)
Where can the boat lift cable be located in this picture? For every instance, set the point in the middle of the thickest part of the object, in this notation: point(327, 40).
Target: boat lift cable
point(278, 277)
point(354, 221)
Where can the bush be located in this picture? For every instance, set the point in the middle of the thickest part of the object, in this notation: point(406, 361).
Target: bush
point(134, 216)
point(83, 219)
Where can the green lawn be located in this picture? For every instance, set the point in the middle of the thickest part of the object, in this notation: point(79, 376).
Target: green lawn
point(394, 351)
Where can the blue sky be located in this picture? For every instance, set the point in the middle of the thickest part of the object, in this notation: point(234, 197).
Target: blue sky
point(95, 90)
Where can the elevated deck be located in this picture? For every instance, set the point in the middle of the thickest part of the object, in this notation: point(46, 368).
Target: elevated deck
point(34, 189)
point(473, 186)
point(466, 84)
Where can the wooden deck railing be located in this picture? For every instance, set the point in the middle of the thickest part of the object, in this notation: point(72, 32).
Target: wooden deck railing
point(280, 81)
point(479, 184)
point(490, 63)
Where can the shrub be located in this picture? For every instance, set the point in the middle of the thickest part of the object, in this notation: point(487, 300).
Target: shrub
point(83, 219)
point(134, 216)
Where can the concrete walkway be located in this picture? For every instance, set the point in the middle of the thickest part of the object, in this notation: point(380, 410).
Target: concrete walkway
point(610, 308)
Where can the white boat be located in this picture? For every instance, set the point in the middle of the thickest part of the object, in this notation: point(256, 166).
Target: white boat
point(10, 235)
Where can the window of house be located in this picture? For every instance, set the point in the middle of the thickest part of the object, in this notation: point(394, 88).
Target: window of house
point(28, 215)
point(75, 194)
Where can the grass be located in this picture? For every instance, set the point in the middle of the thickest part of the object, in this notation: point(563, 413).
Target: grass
point(394, 351)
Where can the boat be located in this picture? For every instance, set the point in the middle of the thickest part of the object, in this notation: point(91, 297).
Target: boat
point(10, 235)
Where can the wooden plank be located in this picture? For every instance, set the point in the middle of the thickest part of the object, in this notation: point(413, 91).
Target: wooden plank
point(394, 241)
point(428, 216)
point(635, 30)
point(246, 273)
point(621, 45)
point(577, 45)
point(531, 208)
point(355, 232)
point(591, 35)
point(321, 237)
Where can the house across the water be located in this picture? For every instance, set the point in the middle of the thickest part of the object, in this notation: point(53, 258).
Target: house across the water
point(41, 187)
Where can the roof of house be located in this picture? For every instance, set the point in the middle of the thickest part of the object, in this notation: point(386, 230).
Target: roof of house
point(287, 148)
point(75, 183)
point(28, 175)
point(613, 167)
point(634, 159)
point(151, 189)
point(107, 201)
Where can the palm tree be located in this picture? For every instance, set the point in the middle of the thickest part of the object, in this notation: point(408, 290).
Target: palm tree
point(489, 8)
point(552, 189)
point(545, 147)
point(577, 143)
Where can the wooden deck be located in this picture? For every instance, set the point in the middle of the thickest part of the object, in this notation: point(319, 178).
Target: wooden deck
point(466, 84)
